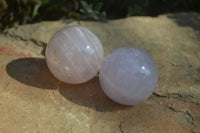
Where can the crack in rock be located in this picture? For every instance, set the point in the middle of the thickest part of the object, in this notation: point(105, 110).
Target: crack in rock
point(182, 97)
point(120, 127)
point(188, 117)
point(38, 43)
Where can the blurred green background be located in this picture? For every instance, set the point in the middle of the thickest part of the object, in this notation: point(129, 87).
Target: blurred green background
point(16, 12)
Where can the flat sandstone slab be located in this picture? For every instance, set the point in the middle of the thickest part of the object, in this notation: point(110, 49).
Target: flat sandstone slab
point(32, 100)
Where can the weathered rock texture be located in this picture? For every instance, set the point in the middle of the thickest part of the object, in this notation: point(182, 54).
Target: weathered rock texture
point(32, 100)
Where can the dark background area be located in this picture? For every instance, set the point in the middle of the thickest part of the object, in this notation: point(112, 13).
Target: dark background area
point(17, 12)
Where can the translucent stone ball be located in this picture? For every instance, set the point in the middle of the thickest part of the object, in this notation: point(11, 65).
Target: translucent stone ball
point(128, 75)
point(74, 54)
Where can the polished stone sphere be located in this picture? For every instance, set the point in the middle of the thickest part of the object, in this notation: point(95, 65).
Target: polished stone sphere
point(128, 75)
point(74, 54)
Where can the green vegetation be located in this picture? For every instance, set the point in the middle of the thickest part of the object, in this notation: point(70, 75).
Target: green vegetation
point(15, 12)
point(90, 12)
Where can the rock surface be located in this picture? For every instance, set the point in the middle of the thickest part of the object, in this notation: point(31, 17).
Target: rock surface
point(32, 100)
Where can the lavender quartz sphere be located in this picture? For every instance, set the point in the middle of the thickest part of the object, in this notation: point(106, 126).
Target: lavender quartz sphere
point(74, 54)
point(128, 75)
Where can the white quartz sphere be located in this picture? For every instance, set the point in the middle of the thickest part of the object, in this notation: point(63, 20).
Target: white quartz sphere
point(128, 75)
point(74, 54)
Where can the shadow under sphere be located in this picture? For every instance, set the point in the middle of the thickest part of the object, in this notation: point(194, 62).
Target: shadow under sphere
point(34, 72)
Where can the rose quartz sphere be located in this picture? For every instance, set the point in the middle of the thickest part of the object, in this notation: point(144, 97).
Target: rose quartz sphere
point(128, 75)
point(74, 54)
